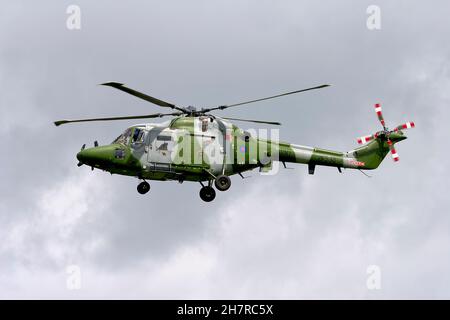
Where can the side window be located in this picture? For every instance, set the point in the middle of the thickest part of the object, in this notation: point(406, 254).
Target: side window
point(138, 136)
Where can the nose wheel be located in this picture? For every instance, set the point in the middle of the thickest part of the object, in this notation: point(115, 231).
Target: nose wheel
point(143, 187)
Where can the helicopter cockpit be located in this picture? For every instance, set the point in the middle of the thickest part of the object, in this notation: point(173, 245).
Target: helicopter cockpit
point(124, 138)
point(135, 135)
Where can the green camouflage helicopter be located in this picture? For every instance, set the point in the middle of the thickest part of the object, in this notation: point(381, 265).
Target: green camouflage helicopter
point(196, 145)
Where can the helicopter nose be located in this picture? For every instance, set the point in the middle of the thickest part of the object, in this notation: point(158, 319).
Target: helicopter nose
point(97, 156)
point(86, 156)
point(81, 156)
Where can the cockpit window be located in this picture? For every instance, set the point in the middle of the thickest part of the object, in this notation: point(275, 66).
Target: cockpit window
point(124, 138)
point(138, 136)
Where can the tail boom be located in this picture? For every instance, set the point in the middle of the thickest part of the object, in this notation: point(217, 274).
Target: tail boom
point(366, 157)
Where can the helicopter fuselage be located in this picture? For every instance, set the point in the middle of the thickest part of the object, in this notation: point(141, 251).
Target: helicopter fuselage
point(202, 148)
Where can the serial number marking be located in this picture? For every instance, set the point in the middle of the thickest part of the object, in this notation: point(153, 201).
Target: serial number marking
point(357, 163)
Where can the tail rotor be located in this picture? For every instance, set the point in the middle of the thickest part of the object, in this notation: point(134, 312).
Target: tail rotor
point(386, 134)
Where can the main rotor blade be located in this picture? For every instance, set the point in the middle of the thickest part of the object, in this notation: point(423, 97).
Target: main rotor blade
point(149, 116)
point(267, 98)
point(255, 121)
point(161, 103)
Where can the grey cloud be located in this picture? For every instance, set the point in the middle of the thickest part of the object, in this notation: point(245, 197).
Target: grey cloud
point(291, 235)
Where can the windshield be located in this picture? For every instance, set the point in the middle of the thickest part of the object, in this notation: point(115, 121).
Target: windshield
point(124, 138)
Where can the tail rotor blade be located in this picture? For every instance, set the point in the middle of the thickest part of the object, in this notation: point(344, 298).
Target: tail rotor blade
point(407, 125)
point(394, 154)
point(365, 139)
point(380, 115)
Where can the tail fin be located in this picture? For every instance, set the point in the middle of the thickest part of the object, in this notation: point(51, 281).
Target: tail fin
point(371, 154)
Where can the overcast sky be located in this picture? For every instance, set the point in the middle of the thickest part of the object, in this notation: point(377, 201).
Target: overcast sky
point(291, 235)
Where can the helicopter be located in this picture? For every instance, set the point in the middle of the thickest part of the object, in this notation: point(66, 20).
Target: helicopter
point(198, 146)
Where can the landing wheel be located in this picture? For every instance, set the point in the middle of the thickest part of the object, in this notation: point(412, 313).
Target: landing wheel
point(207, 194)
point(222, 183)
point(143, 187)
